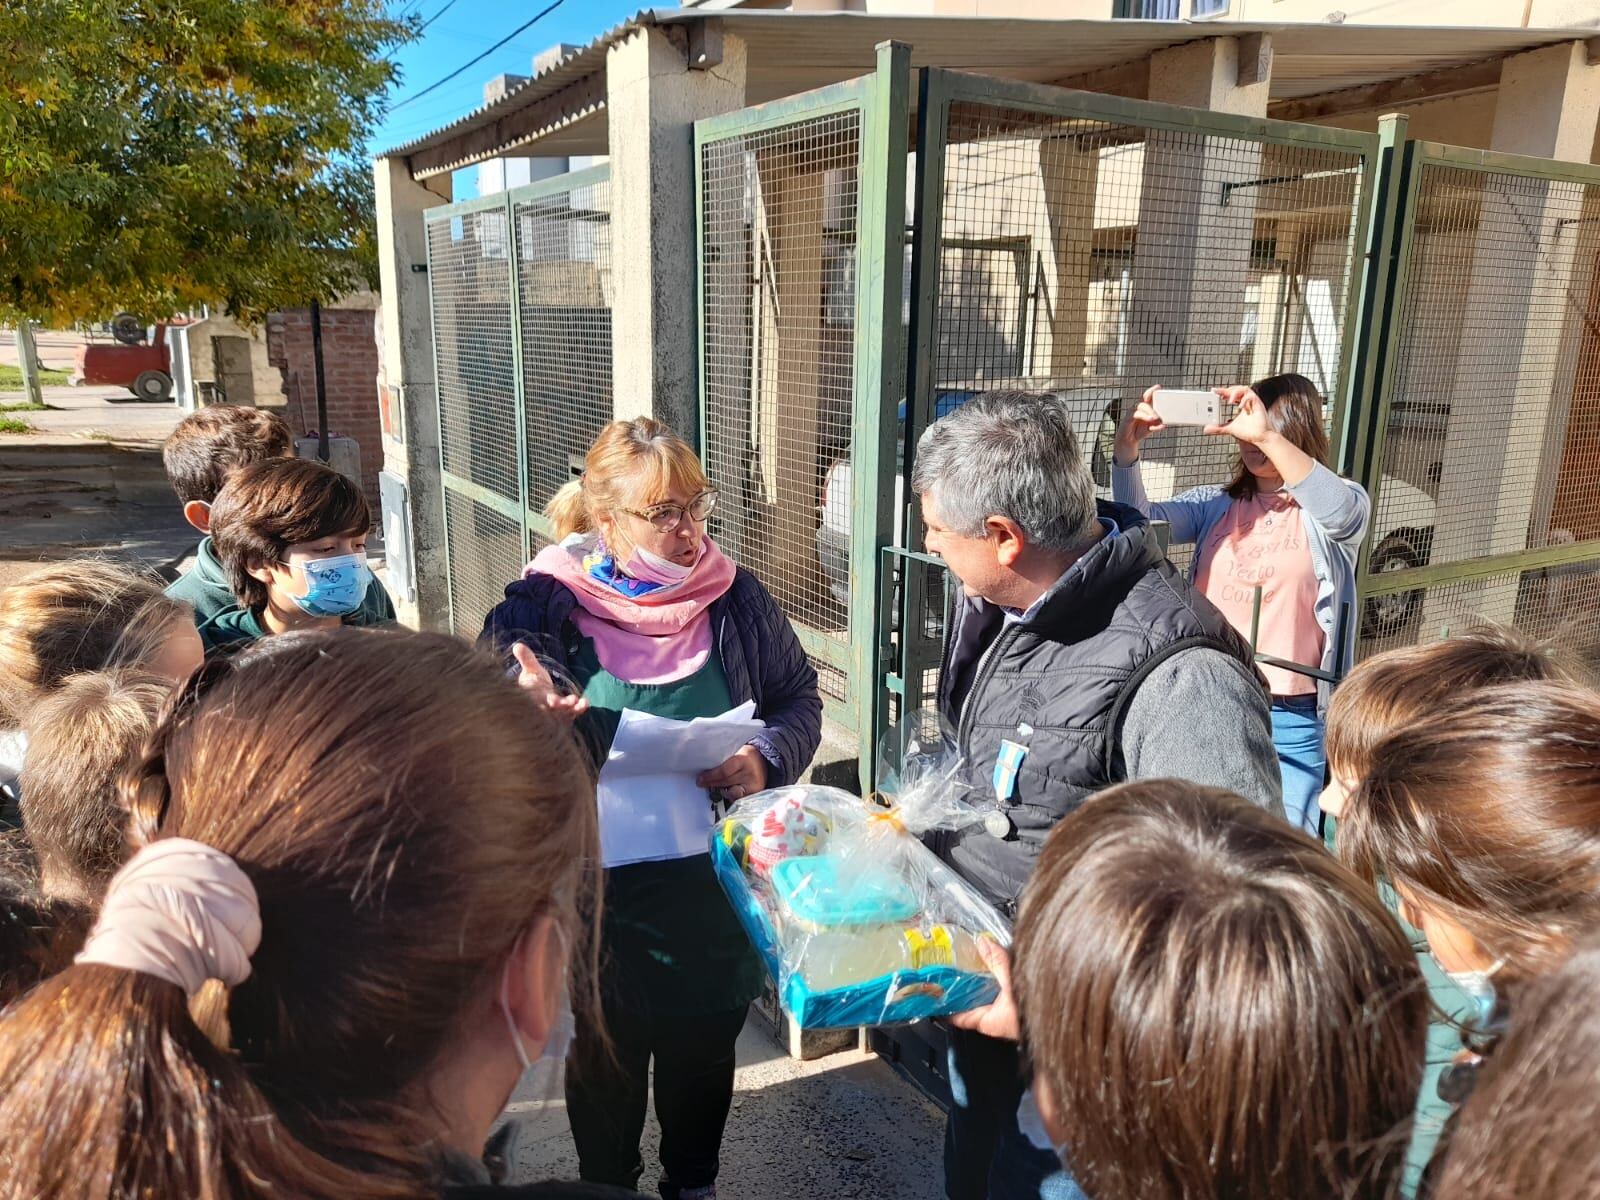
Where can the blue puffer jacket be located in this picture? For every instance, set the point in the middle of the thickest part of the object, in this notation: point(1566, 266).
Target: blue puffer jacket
point(761, 658)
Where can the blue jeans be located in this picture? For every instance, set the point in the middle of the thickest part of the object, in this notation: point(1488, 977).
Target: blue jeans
point(1297, 736)
point(985, 1154)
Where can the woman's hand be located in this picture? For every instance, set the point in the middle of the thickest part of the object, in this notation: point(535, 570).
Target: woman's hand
point(743, 775)
point(998, 1019)
point(536, 680)
point(1136, 426)
point(1249, 424)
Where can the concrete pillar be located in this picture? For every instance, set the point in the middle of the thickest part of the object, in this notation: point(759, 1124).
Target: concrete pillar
point(1520, 330)
point(653, 99)
point(406, 367)
point(1068, 172)
point(1192, 256)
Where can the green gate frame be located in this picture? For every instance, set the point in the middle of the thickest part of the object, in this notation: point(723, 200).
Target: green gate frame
point(529, 521)
point(1367, 453)
point(938, 90)
point(882, 99)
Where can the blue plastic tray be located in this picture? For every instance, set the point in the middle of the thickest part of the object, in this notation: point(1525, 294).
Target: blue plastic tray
point(891, 999)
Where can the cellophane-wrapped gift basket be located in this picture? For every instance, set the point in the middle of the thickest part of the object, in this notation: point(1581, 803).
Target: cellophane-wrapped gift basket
point(858, 921)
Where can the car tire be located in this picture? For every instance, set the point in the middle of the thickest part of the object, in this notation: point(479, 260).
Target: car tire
point(1394, 613)
point(152, 386)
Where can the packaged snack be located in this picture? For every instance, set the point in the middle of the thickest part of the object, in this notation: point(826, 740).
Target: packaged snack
point(858, 921)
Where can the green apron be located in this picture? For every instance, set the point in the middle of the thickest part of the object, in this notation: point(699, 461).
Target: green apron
point(670, 941)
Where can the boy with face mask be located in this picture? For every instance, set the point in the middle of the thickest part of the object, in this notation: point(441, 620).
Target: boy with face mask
point(200, 456)
point(291, 535)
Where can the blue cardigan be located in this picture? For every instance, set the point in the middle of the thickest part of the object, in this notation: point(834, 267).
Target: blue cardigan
point(761, 657)
point(1337, 513)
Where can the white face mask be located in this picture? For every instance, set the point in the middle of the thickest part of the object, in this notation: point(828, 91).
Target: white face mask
point(559, 1040)
point(652, 568)
point(1479, 985)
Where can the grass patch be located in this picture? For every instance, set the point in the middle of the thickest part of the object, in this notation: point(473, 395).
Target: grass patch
point(14, 425)
point(23, 406)
point(11, 377)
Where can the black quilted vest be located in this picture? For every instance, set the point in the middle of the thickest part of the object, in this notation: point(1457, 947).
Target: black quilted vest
point(1059, 683)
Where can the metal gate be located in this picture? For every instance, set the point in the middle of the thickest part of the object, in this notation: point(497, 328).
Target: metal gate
point(521, 289)
point(1484, 460)
point(1092, 246)
point(800, 210)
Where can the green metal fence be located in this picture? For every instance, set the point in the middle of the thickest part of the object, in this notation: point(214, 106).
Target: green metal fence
point(521, 285)
point(1484, 435)
point(800, 208)
point(1091, 246)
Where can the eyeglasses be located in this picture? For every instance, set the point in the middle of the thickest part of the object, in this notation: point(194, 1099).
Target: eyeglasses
point(667, 517)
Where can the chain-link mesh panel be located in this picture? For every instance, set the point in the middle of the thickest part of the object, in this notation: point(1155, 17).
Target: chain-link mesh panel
point(1095, 259)
point(469, 276)
point(779, 264)
point(485, 555)
point(1492, 443)
point(1491, 447)
point(1558, 603)
point(564, 292)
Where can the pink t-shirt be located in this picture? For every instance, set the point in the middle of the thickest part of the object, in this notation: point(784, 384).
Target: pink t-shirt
point(1262, 541)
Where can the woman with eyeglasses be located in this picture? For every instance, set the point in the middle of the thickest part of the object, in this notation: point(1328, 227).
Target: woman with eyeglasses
point(638, 607)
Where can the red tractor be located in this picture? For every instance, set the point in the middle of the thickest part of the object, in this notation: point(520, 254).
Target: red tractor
point(140, 359)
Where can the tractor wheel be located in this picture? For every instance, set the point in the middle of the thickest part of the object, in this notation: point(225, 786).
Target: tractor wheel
point(153, 386)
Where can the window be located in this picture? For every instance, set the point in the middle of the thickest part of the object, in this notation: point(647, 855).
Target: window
point(1208, 8)
point(1149, 10)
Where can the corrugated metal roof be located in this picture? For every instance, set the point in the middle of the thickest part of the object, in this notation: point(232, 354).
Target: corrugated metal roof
point(791, 52)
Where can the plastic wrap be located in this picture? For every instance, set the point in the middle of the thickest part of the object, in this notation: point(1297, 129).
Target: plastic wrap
point(858, 921)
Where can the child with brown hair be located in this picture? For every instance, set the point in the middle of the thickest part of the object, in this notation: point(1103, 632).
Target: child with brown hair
point(79, 740)
point(1213, 1006)
point(82, 615)
point(200, 455)
point(291, 535)
point(394, 873)
point(1402, 689)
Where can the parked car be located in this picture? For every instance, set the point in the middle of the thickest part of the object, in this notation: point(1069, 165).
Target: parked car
point(1402, 546)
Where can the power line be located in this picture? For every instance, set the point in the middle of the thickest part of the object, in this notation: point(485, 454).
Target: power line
point(475, 61)
point(436, 16)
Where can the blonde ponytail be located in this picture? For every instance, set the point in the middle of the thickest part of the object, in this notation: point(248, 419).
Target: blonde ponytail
point(568, 511)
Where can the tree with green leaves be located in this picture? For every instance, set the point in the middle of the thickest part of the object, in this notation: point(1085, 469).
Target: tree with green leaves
point(157, 155)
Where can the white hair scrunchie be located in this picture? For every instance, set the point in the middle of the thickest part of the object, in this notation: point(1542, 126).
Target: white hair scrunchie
point(179, 910)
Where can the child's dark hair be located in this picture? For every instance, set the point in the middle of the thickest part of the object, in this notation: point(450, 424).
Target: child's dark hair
point(268, 507)
point(1294, 409)
point(210, 445)
point(38, 936)
point(1214, 1006)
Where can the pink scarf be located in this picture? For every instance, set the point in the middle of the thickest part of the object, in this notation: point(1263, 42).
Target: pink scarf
point(655, 638)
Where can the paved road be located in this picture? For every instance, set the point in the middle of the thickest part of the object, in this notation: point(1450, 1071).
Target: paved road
point(842, 1126)
point(89, 481)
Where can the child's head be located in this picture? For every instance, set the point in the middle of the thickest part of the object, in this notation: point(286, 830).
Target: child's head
point(1528, 1128)
point(210, 445)
point(87, 615)
point(418, 841)
point(79, 740)
point(274, 517)
point(1485, 817)
point(1213, 1006)
point(1401, 687)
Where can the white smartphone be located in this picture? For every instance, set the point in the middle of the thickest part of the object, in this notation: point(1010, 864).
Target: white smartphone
point(1187, 406)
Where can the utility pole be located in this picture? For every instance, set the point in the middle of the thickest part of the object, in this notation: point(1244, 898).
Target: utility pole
point(28, 363)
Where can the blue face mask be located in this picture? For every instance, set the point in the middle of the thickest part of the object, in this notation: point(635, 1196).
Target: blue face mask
point(334, 586)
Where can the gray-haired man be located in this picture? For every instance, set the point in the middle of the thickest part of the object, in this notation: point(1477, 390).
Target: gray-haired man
point(1076, 657)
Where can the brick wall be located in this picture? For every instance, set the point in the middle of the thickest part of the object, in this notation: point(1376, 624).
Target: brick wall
point(350, 374)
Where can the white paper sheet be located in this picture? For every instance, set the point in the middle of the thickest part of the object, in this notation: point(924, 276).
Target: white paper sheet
point(650, 806)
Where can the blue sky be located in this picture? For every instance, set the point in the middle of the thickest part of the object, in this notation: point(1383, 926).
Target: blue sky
point(465, 30)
